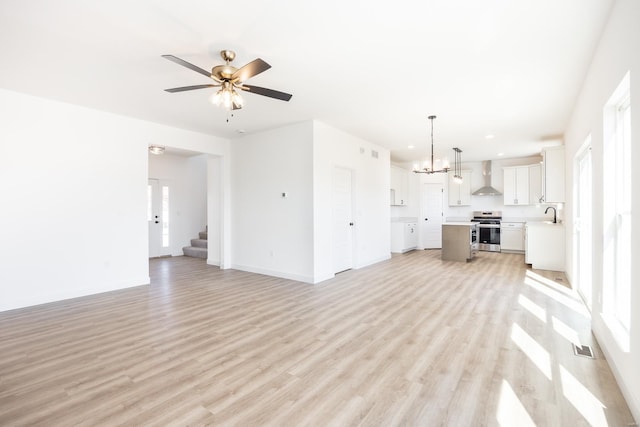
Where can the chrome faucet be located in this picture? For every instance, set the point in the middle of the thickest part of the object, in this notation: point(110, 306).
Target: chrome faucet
point(554, 213)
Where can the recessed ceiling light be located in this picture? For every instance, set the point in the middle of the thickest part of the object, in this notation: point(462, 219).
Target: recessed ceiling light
point(500, 154)
point(156, 149)
point(489, 136)
point(411, 147)
point(240, 131)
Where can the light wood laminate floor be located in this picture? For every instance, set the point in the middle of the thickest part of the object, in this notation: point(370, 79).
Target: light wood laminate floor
point(409, 341)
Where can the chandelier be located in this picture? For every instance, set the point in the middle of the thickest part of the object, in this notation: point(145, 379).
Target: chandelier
point(457, 164)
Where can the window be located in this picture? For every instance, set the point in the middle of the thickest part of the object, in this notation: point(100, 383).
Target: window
point(149, 202)
point(617, 210)
point(583, 209)
point(165, 216)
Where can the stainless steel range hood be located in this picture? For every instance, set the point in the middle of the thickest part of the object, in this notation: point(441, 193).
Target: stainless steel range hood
point(487, 189)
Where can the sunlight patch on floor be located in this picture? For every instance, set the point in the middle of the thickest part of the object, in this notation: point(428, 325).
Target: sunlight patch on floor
point(569, 302)
point(534, 351)
point(582, 399)
point(565, 331)
point(511, 412)
point(533, 308)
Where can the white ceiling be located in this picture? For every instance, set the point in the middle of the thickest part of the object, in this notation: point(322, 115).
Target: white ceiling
point(374, 69)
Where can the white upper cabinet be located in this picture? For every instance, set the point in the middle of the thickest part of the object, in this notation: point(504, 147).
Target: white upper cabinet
point(399, 186)
point(535, 184)
point(553, 174)
point(460, 194)
point(516, 185)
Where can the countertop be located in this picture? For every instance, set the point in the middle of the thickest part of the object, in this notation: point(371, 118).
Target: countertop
point(459, 223)
point(543, 223)
point(525, 219)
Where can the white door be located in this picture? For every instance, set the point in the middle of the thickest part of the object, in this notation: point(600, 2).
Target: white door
point(342, 236)
point(431, 216)
point(158, 218)
point(582, 221)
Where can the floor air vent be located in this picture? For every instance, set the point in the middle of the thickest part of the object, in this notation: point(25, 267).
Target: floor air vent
point(584, 351)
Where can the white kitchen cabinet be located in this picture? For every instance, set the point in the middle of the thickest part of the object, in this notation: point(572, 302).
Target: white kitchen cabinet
point(545, 248)
point(512, 237)
point(404, 236)
point(516, 185)
point(460, 194)
point(535, 184)
point(553, 174)
point(399, 186)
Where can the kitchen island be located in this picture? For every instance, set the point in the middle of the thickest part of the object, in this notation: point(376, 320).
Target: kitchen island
point(459, 241)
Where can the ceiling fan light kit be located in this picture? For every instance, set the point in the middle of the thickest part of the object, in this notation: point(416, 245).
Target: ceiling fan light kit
point(457, 164)
point(227, 97)
point(229, 79)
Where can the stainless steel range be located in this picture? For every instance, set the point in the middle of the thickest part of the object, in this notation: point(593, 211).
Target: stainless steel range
point(488, 229)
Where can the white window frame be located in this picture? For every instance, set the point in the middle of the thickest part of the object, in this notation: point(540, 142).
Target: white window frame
point(617, 198)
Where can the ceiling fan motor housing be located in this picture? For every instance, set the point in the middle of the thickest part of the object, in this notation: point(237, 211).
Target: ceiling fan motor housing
point(223, 72)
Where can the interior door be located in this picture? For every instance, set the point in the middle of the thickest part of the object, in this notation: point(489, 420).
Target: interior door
point(431, 213)
point(158, 218)
point(342, 236)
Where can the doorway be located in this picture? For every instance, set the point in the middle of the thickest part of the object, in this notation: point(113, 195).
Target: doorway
point(583, 223)
point(431, 213)
point(342, 219)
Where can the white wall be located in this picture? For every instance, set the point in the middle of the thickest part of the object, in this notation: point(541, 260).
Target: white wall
point(73, 184)
point(273, 234)
point(218, 213)
point(291, 237)
point(334, 148)
point(187, 180)
point(618, 52)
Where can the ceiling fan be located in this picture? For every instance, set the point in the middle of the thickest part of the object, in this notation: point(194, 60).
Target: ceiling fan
point(229, 78)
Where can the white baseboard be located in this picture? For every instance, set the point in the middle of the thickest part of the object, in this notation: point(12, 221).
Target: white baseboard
point(274, 273)
point(603, 342)
point(372, 261)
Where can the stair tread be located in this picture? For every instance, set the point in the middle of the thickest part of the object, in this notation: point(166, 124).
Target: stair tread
point(199, 243)
point(195, 252)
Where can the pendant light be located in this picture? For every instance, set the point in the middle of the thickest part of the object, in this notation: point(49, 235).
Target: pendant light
point(457, 164)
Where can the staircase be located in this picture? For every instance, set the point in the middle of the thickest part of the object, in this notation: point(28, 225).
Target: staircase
point(198, 248)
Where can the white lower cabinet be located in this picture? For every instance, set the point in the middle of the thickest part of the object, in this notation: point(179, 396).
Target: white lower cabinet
point(404, 236)
point(545, 246)
point(512, 237)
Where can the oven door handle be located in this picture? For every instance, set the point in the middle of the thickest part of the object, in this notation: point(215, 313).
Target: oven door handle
point(488, 225)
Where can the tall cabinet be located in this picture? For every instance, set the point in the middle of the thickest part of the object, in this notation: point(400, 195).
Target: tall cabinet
point(553, 170)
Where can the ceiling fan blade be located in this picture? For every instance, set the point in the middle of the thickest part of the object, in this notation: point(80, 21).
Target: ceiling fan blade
point(188, 65)
point(249, 70)
point(267, 92)
point(185, 88)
